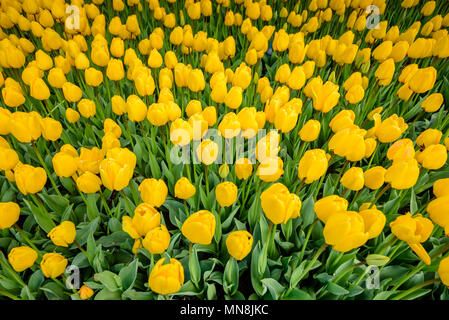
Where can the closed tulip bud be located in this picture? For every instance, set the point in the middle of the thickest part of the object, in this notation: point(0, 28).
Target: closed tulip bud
point(383, 51)
point(313, 165)
point(243, 168)
point(325, 96)
point(56, 78)
point(12, 97)
point(157, 114)
point(119, 105)
point(433, 157)
point(26, 127)
point(279, 205)
point(72, 115)
point(210, 115)
point(226, 193)
point(384, 73)
point(196, 80)
point(88, 182)
point(115, 71)
point(136, 108)
point(30, 179)
point(87, 108)
point(223, 171)
point(355, 94)
point(39, 90)
point(145, 219)
point(85, 292)
point(251, 57)
point(242, 76)
point(194, 106)
point(443, 271)
point(374, 221)
point(53, 265)
point(93, 77)
point(402, 174)
point(8, 158)
point(328, 206)
point(438, 210)
point(181, 132)
point(21, 258)
point(72, 93)
point(374, 177)
point(116, 170)
point(9, 214)
point(353, 179)
point(239, 244)
point(63, 235)
point(199, 227)
point(184, 189)
point(154, 192)
point(166, 278)
point(117, 47)
point(423, 80)
point(207, 151)
point(155, 59)
point(283, 73)
point(157, 240)
point(234, 98)
point(51, 129)
point(345, 231)
point(433, 102)
point(65, 164)
point(310, 131)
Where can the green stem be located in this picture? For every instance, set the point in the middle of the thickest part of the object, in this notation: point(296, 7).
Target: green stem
point(38, 154)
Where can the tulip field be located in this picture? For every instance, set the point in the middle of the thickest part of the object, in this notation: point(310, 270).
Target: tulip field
point(224, 150)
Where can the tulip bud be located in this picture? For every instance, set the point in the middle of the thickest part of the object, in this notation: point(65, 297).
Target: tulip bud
point(157, 240)
point(328, 206)
point(9, 214)
point(184, 189)
point(154, 192)
point(199, 227)
point(223, 171)
point(243, 168)
point(312, 166)
point(353, 179)
point(63, 235)
point(85, 292)
point(377, 260)
point(88, 182)
point(53, 265)
point(239, 244)
point(279, 205)
point(226, 193)
point(166, 278)
point(21, 258)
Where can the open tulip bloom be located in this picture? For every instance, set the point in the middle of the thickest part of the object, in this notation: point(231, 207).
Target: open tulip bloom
point(224, 149)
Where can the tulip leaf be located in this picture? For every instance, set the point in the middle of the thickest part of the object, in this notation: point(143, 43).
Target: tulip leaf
point(298, 294)
point(307, 212)
point(128, 274)
point(413, 204)
point(274, 287)
point(194, 266)
point(109, 280)
point(42, 218)
point(336, 289)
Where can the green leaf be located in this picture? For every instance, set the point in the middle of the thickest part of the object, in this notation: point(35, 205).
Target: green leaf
point(106, 294)
point(336, 289)
point(413, 204)
point(307, 213)
point(128, 274)
point(297, 294)
point(92, 209)
point(110, 280)
point(42, 218)
point(194, 266)
point(275, 288)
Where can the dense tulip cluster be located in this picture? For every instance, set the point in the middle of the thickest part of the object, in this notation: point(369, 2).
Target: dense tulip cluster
point(175, 147)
